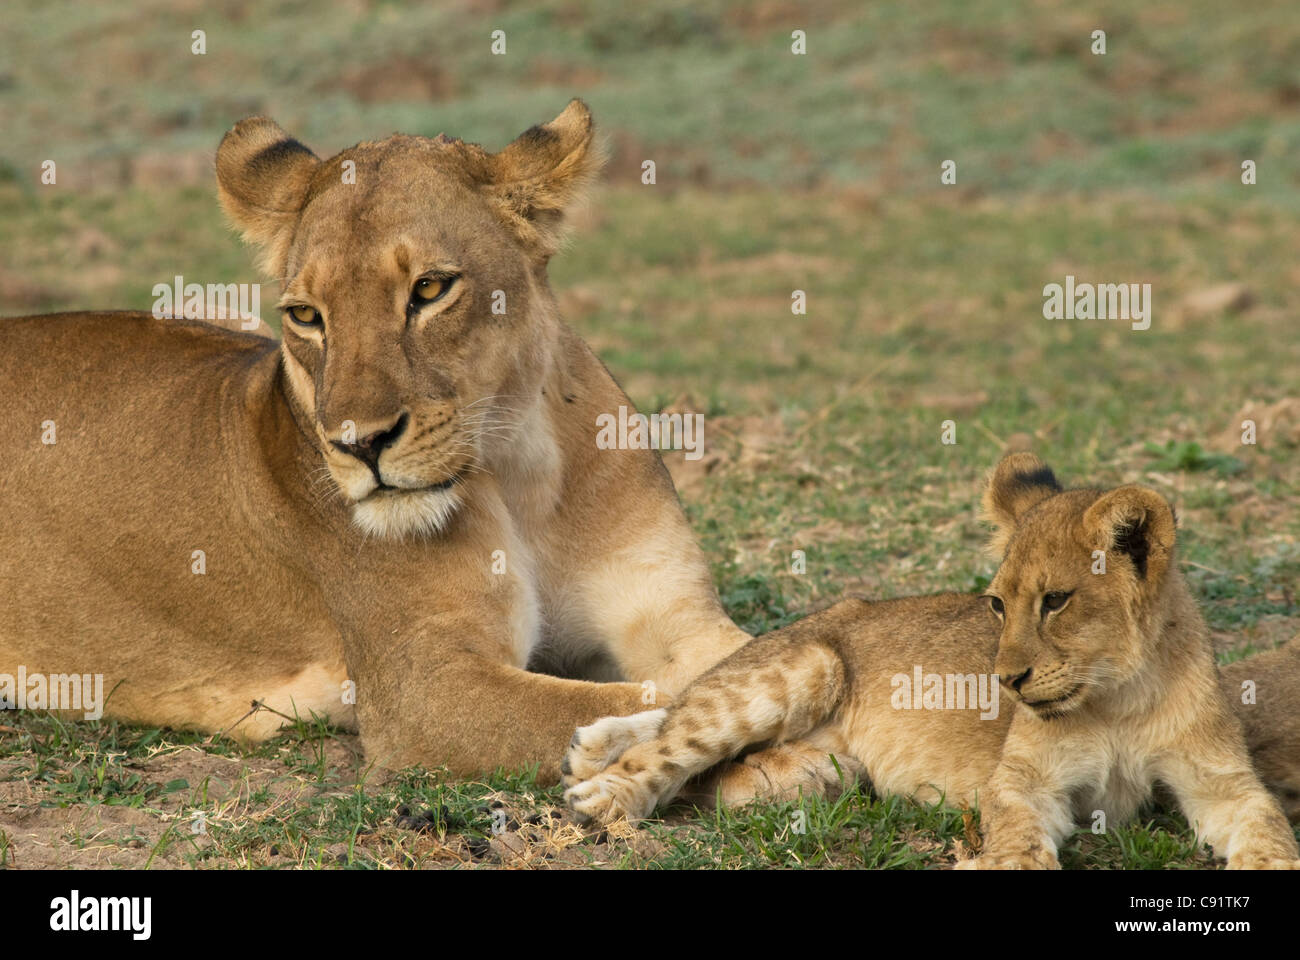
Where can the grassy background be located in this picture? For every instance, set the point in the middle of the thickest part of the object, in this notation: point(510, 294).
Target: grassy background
point(775, 173)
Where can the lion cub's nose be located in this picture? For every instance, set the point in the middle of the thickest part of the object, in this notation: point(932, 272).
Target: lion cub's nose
point(369, 447)
point(1017, 681)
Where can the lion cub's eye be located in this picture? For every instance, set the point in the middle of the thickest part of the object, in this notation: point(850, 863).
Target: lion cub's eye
point(429, 289)
point(995, 604)
point(307, 316)
point(1054, 601)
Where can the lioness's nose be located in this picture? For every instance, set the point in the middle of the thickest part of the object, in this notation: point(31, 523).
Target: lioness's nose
point(369, 447)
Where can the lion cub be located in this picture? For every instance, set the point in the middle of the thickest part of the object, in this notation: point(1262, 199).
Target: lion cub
point(1101, 652)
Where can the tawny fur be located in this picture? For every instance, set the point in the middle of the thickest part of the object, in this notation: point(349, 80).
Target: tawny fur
point(1265, 693)
point(174, 436)
point(1103, 697)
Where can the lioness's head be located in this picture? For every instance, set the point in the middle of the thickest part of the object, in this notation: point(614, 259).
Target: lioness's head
point(416, 313)
point(1081, 571)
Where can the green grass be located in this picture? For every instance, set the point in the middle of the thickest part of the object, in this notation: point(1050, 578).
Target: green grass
point(710, 90)
point(419, 819)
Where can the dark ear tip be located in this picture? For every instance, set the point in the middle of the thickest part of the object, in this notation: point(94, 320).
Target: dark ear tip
point(1041, 476)
point(1024, 469)
point(257, 146)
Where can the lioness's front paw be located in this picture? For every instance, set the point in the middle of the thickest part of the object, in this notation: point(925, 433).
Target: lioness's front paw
point(596, 746)
point(608, 797)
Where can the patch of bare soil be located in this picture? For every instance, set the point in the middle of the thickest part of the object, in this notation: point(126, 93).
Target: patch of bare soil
point(47, 830)
point(1277, 424)
point(753, 444)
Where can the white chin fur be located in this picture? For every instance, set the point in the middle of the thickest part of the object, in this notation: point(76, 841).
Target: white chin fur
point(420, 513)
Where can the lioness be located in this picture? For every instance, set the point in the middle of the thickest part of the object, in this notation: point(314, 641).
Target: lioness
point(401, 504)
point(1101, 649)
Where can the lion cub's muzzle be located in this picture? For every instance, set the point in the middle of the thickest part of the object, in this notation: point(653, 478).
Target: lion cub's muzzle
point(1050, 692)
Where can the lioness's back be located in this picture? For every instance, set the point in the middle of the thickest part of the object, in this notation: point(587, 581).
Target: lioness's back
point(123, 438)
point(80, 386)
point(74, 353)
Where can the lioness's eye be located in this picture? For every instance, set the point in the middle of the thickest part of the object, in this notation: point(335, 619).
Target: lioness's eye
point(307, 316)
point(1054, 601)
point(429, 289)
point(995, 604)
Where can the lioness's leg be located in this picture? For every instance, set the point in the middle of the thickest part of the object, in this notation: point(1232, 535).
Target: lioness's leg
point(475, 715)
point(770, 690)
point(621, 571)
point(1229, 808)
point(783, 772)
point(654, 606)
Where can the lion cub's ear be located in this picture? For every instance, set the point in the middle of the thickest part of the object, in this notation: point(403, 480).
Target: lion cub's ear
point(1137, 523)
point(1019, 481)
point(541, 174)
point(262, 177)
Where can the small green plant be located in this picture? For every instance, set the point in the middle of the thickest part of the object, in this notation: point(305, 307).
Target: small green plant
point(1190, 456)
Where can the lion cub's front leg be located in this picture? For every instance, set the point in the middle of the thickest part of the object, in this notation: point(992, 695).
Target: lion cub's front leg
point(1022, 830)
point(786, 771)
point(1025, 809)
point(770, 690)
point(1227, 805)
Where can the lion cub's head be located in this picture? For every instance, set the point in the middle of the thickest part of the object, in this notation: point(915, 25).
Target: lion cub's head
point(1079, 592)
point(417, 317)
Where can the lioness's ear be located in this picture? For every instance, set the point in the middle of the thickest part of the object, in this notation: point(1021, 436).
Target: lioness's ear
point(262, 177)
point(1019, 481)
point(1137, 523)
point(542, 173)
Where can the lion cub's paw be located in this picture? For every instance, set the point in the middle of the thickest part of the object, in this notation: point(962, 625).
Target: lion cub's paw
point(1018, 861)
point(609, 797)
point(1263, 863)
point(596, 746)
